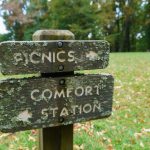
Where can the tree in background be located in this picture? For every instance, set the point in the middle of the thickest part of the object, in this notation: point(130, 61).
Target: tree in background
point(147, 24)
point(23, 17)
point(141, 26)
point(38, 11)
point(124, 23)
point(14, 14)
point(82, 17)
point(79, 16)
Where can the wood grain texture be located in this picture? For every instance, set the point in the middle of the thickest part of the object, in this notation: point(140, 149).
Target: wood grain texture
point(57, 138)
point(52, 56)
point(46, 102)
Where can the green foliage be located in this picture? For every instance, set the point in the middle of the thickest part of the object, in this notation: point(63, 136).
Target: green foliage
point(119, 22)
point(38, 12)
point(77, 16)
point(4, 37)
point(147, 25)
point(128, 127)
point(20, 140)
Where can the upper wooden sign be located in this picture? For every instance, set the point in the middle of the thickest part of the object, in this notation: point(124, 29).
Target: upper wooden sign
point(46, 102)
point(24, 57)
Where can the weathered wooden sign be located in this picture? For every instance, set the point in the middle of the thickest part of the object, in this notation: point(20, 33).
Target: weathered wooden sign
point(45, 102)
point(52, 56)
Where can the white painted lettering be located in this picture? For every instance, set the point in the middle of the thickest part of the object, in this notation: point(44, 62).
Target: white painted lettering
point(59, 58)
point(47, 57)
point(59, 94)
point(80, 109)
point(79, 91)
point(97, 107)
point(26, 58)
point(97, 89)
point(47, 94)
point(33, 93)
point(88, 90)
point(33, 56)
point(87, 108)
point(69, 90)
point(44, 112)
point(39, 57)
point(71, 56)
point(74, 108)
point(54, 57)
point(18, 58)
point(54, 111)
point(64, 112)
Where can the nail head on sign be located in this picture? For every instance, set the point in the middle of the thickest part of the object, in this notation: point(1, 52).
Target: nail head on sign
point(60, 44)
point(62, 82)
point(61, 120)
point(61, 68)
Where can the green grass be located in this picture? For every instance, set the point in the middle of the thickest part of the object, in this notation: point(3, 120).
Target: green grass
point(129, 126)
point(18, 76)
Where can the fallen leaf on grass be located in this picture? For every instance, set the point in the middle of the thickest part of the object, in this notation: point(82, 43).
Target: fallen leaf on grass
point(77, 147)
point(141, 144)
point(127, 115)
point(31, 138)
point(113, 127)
point(109, 140)
point(34, 148)
point(118, 87)
point(132, 140)
point(110, 147)
point(23, 148)
point(100, 133)
point(34, 131)
point(142, 133)
point(137, 135)
point(104, 139)
point(4, 135)
point(20, 148)
point(145, 130)
point(135, 121)
point(87, 127)
point(11, 146)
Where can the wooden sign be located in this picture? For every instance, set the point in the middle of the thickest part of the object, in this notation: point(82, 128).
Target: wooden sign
point(46, 102)
point(52, 56)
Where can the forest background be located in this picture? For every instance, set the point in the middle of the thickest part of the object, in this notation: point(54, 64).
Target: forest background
point(124, 23)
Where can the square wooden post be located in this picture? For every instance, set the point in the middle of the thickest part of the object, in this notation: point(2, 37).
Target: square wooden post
point(55, 138)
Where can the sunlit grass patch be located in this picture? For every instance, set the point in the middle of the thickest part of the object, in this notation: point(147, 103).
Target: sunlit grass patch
point(129, 125)
point(3, 77)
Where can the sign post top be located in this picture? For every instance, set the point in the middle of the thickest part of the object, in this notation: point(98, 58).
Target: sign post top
point(53, 35)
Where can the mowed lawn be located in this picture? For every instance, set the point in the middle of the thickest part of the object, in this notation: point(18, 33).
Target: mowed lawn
point(129, 126)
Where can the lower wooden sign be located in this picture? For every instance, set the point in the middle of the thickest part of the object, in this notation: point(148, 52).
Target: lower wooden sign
point(46, 102)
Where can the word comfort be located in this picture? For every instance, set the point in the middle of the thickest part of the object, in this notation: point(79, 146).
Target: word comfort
point(52, 94)
point(41, 57)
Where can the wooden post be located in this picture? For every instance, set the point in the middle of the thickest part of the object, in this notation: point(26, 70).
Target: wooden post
point(55, 138)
